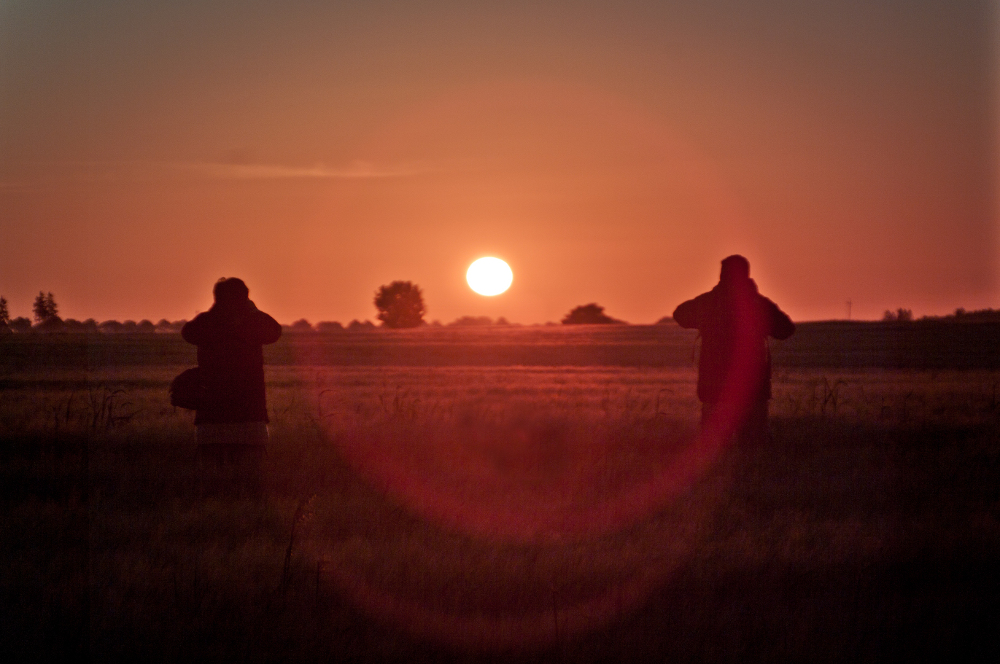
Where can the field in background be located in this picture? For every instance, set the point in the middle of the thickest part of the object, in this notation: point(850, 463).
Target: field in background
point(925, 344)
point(869, 529)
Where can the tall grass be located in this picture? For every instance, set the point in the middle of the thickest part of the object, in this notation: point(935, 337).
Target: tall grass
point(867, 529)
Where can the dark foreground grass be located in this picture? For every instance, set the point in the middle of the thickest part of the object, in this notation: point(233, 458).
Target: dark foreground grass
point(845, 539)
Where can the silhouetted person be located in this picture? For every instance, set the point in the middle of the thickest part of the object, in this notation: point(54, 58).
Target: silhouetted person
point(734, 370)
point(232, 412)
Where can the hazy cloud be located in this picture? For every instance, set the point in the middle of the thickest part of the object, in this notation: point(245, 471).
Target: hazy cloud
point(45, 174)
point(357, 169)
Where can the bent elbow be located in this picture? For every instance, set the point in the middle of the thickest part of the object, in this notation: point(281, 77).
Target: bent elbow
point(785, 330)
point(273, 333)
point(684, 317)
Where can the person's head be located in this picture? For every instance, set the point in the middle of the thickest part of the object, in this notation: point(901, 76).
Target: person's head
point(735, 268)
point(230, 291)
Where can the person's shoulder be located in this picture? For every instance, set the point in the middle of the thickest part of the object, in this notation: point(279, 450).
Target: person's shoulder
point(196, 324)
point(689, 313)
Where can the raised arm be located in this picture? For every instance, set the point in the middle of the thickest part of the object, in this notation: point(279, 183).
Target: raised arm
point(688, 314)
point(198, 331)
point(780, 325)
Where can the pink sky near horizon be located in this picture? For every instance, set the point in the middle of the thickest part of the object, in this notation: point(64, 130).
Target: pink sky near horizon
point(609, 152)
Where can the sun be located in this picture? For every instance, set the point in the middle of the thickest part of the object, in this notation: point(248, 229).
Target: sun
point(489, 276)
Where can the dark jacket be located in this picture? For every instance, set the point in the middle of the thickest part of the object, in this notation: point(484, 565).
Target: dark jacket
point(231, 359)
point(734, 321)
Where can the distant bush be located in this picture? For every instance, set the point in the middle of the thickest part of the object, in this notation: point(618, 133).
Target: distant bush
point(358, 326)
point(68, 325)
point(51, 324)
point(329, 326)
point(301, 325)
point(980, 315)
point(898, 315)
point(163, 325)
point(111, 326)
point(472, 321)
point(19, 324)
point(145, 326)
point(589, 314)
point(73, 325)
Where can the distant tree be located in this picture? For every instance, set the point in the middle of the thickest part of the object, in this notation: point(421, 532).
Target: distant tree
point(44, 307)
point(301, 325)
point(46, 313)
point(329, 326)
point(4, 316)
point(400, 304)
point(588, 314)
point(357, 326)
point(145, 326)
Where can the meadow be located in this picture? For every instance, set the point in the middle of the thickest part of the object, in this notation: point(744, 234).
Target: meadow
point(498, 495)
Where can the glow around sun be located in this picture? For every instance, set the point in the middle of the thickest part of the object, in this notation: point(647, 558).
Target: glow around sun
point(489, 276)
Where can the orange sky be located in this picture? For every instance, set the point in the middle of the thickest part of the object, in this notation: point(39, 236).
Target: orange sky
point(610, 152)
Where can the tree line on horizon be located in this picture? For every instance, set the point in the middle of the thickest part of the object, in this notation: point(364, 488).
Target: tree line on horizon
point(400, 305)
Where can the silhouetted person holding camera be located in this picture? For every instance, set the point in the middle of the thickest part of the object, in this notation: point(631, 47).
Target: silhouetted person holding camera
point(232, 409)
point(734, 370)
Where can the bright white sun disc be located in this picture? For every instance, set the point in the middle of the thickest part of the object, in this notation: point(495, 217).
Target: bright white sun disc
point(489, 276)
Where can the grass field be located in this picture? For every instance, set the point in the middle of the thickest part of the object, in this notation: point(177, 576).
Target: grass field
point(489, 513)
